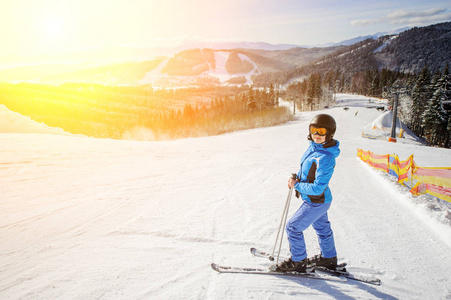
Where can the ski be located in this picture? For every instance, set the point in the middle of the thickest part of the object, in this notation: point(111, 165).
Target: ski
point(341, 270)
point(362, 278)
point(262, 271)
point(260, 253)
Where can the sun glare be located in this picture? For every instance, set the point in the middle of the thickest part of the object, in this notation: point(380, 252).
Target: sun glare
point(53, 28)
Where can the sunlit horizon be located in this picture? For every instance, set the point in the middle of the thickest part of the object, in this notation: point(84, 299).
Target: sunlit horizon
point(47, 27)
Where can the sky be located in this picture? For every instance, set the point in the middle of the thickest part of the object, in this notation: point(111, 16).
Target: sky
point(51, 26)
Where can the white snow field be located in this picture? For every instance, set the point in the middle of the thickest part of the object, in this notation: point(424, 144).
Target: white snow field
point(85, 218)
point(155, 76)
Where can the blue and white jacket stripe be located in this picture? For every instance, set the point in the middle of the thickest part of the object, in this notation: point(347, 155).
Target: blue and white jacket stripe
point(315, 188)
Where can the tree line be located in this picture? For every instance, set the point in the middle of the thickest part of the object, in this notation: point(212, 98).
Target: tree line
point(426, 105)
point(114, 111)
point(425, 108)
point(317, 90)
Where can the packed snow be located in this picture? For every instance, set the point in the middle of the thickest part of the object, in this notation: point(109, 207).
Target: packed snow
point(12, 122)
point(85, 218)
point(385, 44)
point(380, 128)
point(156, 77)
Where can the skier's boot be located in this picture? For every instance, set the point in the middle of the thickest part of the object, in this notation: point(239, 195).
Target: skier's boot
point(292, 266)
point(320, 261)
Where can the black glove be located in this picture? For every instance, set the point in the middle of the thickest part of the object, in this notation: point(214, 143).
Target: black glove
point(295, 177)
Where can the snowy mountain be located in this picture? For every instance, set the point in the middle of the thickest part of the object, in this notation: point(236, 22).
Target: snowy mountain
point(259, 63)
point(85, 218)
point(366, 37)
point(408, 52)
point(181, 69)
point(113, 54)
point(193, 44)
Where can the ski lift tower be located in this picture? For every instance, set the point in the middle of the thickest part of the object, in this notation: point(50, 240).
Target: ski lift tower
point(395, 91)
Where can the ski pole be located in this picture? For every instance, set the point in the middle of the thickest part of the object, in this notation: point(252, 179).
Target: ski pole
point(284, 225)
point(283, 220)
point(285, 211)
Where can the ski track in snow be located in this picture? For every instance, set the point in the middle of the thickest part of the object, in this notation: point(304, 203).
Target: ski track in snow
point(84, 218)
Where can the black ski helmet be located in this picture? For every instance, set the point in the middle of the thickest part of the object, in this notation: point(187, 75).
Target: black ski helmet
point(325, 121)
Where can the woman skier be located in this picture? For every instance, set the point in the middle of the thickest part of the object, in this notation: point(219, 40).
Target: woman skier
point(316, 169)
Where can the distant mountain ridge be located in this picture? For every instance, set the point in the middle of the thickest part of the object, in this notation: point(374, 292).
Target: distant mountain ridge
point(258, 63)
point(193, 44)
point(407, 52)
point(114, 54)
point(362, 38)
point(224, 64)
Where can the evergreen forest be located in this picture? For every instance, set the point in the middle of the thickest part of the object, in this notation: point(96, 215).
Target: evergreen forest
point(122, 111)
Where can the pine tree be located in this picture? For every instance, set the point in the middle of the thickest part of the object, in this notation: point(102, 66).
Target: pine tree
point(368, 82)
point(377, 88)
point(446, 104)
point(342, 84)
point(448, 133)
point(434, 117)
point(447, 84)
point(314, 91)
point(272, 96)
point(251, 102)
point(420, 94)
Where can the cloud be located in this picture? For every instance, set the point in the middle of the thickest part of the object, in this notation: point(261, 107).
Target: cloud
point(408, 17)
point(422, 19)
point(364, 22)
point(413, 14)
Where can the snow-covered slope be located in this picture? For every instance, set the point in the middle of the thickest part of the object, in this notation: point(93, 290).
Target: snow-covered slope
point(85, 218)
point(380, 128)
point(157, 76)
point(220, 70)
point(12, 122)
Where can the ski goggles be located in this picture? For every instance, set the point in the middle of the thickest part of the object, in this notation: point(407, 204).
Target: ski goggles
point(318, 130)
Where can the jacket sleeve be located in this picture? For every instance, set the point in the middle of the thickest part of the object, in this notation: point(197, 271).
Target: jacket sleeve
point(323, 175)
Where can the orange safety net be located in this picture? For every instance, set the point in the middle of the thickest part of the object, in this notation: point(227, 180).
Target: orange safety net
point(434, 181)
point(377, 161)
point(400, 169)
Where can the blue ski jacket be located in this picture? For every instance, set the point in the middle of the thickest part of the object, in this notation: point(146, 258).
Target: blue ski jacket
point(317, 167)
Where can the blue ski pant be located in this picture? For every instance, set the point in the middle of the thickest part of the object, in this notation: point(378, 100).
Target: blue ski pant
point(314, 214)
